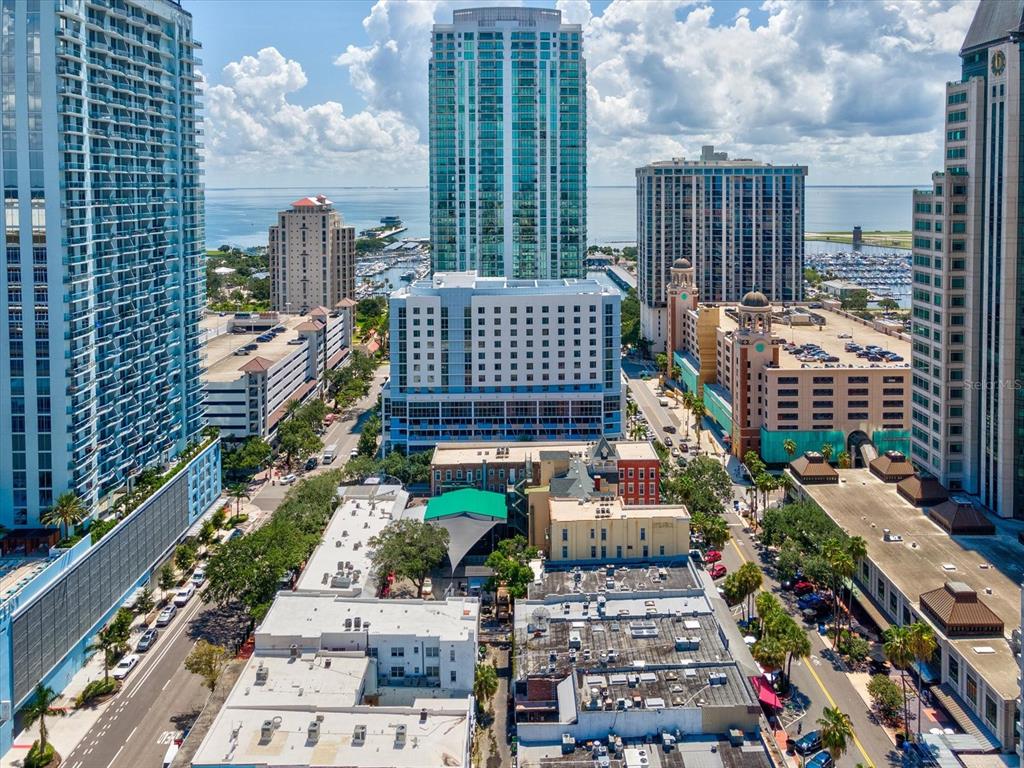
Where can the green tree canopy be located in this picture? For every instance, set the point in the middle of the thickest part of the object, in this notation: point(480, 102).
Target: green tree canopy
point(410, 549)
point(297, 439)
point(208, 661)
point(511, 565)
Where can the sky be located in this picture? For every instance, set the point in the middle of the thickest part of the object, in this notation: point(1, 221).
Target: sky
point(312, 93)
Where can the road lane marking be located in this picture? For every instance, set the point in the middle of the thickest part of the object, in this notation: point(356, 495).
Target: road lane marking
point(824, 690)
point(115, 756)
point(131, 734)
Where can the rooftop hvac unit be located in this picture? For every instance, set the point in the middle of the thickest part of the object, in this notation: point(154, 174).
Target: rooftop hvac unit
point(357, 622)
point(262, 673)
point(266, 731)
point(359, 736)
point(294, 650)
point(313, 732)
point(400, 731)
point(348, 623)
point(717, 678)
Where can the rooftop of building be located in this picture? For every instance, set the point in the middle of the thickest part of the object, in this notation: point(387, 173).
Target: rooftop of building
point(709, 158)
point(312, 680)
point(566, 510)
point(518, 453)
point(696, 752)
point(225, 366)
point(604, 580)
point(920, 557)
point(690, 637)
point(467, 501)
point(319, 202)
point(18, 572)
point(834, 334)
point(490, 15)
point(503, 286)
point(432, 732)
point(341, 562)
point(304, 618)
point(713, 685)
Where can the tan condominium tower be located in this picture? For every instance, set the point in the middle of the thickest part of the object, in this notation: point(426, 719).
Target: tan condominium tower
point(312, 257)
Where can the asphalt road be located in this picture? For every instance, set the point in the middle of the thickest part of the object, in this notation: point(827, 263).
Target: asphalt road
point(817, 681)
point(124, 736)
point(161, 698)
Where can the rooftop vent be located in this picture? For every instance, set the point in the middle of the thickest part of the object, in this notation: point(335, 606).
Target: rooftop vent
point(313, 732)
point(400, 732)
point(359, 736)
point(261, 674)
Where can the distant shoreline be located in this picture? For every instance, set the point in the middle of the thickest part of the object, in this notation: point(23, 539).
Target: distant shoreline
point(921, 185)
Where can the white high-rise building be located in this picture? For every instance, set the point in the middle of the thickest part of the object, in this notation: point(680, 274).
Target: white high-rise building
point(739, 222)
point(488, 358)
point(968, 281)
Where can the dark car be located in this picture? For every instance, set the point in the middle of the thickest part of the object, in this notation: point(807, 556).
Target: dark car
point(808, 744)
point(821, 760)
point(146, 641)
point(251, 347)
point(812, 600)
point(311, 463)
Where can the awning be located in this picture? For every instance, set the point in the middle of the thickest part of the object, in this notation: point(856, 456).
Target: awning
point(967, 720)
point(869, 608)
point(463, 532)
point(765, 694)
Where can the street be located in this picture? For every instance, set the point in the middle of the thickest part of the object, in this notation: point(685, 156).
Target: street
point(161, 698)
point(818, 681)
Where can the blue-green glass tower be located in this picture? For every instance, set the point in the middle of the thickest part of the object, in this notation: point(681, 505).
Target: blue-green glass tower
point(104, 283)
point(508, 144)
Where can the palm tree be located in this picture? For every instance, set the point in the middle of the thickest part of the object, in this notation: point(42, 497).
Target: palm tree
point(715, 531)
point(750, 580)
point(769, 653)
point(238, 491)
point(836, 731)
point(842, 567)
point(858, 549)
point(922, 644)
point(636, 432)
point(796, 644)
point(765, 484)
point(897, 647)
point(688, 405)
point(843, 459)
point(826, 451)
point(699, 412)
point(485, 684)
point(38, 709)
point(67, 511)
point(632, 409)
point(108, 645)
point(789, 446)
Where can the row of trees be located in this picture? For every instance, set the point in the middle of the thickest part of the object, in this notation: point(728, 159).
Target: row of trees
point(414, 468)
point(782, 639)
point(705, 488)
point(351, 383)
point(248, 569)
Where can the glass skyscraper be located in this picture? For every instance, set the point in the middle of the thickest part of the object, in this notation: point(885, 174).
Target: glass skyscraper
point(104, 284)
point(508, 144)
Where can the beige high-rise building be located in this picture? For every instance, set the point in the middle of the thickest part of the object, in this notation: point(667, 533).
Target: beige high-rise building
point(312, 257)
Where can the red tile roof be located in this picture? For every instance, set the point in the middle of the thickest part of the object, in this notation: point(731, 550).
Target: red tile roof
point(257, 365)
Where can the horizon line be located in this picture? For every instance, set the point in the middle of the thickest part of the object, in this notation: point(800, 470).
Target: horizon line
point(592, 186)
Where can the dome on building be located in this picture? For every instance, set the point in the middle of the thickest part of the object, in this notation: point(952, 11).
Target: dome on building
point(755, 299)
point(681, 264)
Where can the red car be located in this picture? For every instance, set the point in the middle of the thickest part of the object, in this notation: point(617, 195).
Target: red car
point(802, 588)
point(712, 556)
point(718, 571)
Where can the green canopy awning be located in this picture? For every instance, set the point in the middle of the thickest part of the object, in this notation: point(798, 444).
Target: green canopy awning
point(467, 501)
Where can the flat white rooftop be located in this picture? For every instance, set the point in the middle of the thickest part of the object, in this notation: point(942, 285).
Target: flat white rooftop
point(317, 619)
point(518, 453)
point(341, 562)
point(311, 680)
point(432, 733)
point(566, 510)
point(224, 365)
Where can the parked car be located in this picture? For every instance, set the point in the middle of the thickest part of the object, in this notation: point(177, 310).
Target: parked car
point(124, 666)
point(808, 744)
point(311, 463)
point(166, 615)
point(183, 595)
point(146, 641)
point(802, 588)
point(198, 576)
point(812, 600)
point(712, 556)
point(718, 571)
point(288, 479)
point(668, 440)
point(821, 760)
point(696, 556)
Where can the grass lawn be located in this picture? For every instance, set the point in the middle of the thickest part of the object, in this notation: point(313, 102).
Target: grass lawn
point(899, 239)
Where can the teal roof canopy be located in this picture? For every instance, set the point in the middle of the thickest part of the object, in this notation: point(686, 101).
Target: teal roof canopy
point(467, 501)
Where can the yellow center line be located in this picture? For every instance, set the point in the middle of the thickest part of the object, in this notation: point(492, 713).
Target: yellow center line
point(810, 668)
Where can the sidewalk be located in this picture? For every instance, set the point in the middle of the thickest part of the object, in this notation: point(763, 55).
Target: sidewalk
point(66, 732)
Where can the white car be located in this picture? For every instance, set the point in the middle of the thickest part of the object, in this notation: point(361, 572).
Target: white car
point(198, 576)
point(124, 666)
point(166, 615)
point(183, 595)
point(288, 479)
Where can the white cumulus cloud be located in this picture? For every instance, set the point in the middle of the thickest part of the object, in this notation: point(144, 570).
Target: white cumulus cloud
point(255, 131)
point(853, 89)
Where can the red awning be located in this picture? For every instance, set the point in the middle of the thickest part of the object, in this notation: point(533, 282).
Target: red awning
point(765, 694)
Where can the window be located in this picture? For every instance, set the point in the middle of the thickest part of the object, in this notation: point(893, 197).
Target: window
point(431, 653)
point(954, 672)
point(643, 534)
point(451, 654)
point(991, 712)
point(972, 690)
point(565, 553)
point(397, 653)
point(565, 534)
point(398, 672)
point(454, 676)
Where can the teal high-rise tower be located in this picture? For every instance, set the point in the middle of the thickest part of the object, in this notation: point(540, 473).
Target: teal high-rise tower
point(508, 144)
point(104, 283)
